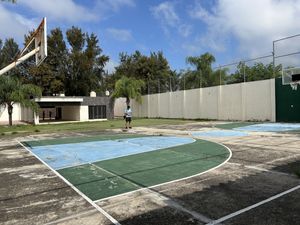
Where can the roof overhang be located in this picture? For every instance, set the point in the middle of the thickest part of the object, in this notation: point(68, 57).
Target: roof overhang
point(58, 99)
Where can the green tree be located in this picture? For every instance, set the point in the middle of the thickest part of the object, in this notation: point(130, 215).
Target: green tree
point(13, 91)
point(57, 60)
point(203, 66)
point(154, 70)
point(8, 53)
point(128, 88)
point(258, 71)
point(85, 63)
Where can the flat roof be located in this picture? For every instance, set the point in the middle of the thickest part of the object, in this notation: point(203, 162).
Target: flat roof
point(59, 99)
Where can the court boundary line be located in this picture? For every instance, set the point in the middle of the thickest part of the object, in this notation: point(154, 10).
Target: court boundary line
point(102, 211)
point(234, 214)
point(169, 201)
point(173, 181)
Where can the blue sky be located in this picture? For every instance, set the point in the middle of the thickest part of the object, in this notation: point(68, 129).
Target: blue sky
point(231, 30)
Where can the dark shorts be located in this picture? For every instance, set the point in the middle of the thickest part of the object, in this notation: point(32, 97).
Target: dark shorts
point(128, 119)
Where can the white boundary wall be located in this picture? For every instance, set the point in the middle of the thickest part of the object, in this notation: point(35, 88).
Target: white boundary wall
point(243, 101)
point(19, 114)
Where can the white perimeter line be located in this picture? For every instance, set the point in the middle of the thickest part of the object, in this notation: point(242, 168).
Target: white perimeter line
point(113, 220)
point(252, 206)
point(173, 181)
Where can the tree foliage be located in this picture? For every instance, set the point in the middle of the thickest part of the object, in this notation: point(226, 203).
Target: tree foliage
point(203, 72)
point(258, 71)
point(76, 70)
point(154, 70)
point(129, 88)
point(13, 91)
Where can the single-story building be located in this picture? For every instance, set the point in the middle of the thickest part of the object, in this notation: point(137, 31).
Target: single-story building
point(63, 109)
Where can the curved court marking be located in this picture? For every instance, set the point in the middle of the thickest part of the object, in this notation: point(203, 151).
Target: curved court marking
point(173, 181)
point(102, 211)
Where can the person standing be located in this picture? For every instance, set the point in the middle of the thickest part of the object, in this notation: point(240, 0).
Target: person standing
point(128, 117)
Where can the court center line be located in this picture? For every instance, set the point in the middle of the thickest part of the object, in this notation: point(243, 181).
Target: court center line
point(218, 221)
point(102, 211)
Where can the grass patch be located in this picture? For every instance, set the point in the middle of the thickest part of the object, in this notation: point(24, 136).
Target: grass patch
point(86, 126)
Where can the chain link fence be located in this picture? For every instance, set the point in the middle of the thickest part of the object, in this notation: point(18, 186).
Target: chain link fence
point(285, 55)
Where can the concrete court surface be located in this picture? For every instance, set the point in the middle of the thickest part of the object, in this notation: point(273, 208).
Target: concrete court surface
point(257, 186)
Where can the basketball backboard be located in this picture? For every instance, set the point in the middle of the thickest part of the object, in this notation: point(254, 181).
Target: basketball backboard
point(291, 76)
point(39, 37)
point(40, 40)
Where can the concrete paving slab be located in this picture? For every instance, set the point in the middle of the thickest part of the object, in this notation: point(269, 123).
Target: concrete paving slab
point(30, 193)
point(284, 210)
point(262, 165)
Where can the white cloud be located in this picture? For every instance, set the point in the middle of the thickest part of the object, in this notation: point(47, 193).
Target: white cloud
point(66, 10)
point(13, 25)
point(166, 14)
point(254, 23)
point(115, 5)
point(120, 34)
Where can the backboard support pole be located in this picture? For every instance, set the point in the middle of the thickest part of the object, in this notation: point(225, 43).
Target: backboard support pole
point(18, 61)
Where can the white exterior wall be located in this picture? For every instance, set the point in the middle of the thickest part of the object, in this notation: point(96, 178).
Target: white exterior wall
point(243, 101)
point(153, 111)
point(120, 105)
point(209, 103)
point(164, 109)
point(260, 99)
point(231, 102)
point(192, 104)
point(84, 113)
point(176, 104)
point(16, 116)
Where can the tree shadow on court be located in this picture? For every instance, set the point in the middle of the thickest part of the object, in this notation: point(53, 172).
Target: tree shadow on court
point(215, 195)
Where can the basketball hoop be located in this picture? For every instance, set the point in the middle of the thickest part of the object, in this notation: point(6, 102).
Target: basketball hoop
point(294, 85)
point(39, 38)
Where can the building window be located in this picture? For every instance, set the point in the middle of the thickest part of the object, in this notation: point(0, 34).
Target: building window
point(97, 112)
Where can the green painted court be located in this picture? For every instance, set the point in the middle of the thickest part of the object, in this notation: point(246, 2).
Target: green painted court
point(144, 168)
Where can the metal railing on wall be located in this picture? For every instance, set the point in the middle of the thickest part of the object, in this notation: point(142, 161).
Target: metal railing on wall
point(286, 56)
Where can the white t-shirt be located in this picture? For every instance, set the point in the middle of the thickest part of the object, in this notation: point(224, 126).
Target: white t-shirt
point(128, 113)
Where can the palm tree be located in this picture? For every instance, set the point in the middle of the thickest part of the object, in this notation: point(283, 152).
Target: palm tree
point(128, 88)
point(203, 66)
point(13, 91)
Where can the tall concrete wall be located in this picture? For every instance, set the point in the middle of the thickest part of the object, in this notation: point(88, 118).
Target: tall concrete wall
point(16, 115)
point(243, 101)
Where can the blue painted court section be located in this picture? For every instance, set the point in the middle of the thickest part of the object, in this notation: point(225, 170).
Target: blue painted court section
point(219, 133)
point(67, 155)
point(271, 127)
